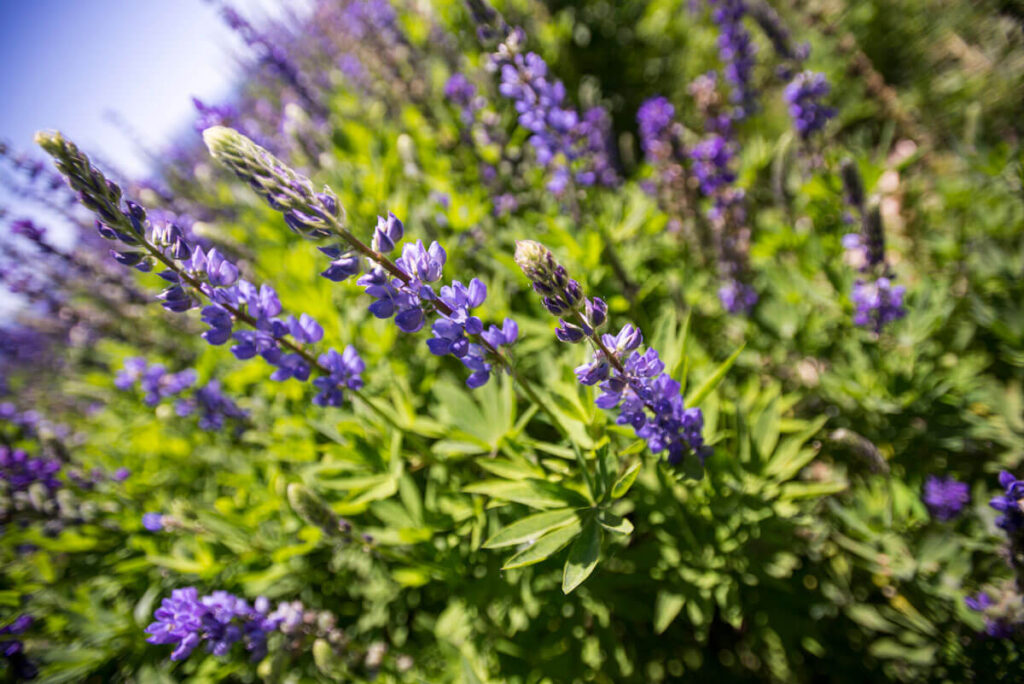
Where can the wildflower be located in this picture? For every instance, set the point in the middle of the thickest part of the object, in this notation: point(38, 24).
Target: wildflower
point(945, 497)
point(1009, 503)
point(631, 380)
point(804, 94)
point(736, 50)
point(402, 289)
point(197, 275)
point(154, 522)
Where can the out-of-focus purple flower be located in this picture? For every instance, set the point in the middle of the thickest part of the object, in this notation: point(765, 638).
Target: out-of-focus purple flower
point(711, 158)
point(154, 522)
point(736, 50)
point(877, 303)
point(945, 497)
point(345, 372)
point(121, 474)
point(1009, 503)
point(804, 95)
point(20, 471)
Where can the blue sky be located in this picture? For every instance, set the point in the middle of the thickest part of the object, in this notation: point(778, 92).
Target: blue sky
point(67, 64)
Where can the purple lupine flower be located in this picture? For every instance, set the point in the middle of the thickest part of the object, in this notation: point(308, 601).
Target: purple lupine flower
point(345, 372)
point(462, 93)
point(737, 297)
point(179, 621)
point(20, 471)
point(1003, 617)
point(1009, 503)
point(121, 474)
point(654, 119)
point(945, 497)
point(388, 233)
point(803, 95)
point(18, 664)
point(221, 620)
point(711, 158)
point(154, 522)
point(647, 398)
point(213, 406)
point(877, 303)
point(194, 274)
point(736, 50)
point(572, 147)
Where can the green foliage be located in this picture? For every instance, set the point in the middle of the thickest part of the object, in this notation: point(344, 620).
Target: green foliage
point(497, 539)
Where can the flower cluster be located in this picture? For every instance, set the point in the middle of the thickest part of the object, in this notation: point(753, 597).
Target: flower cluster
point(220, 620)
point(736, 50)
point(574, 148)
point(195, 275)
point(1009, 504)
point(631, 380)
point(877, 301)
point(462, 94)
point(19, 471)
point(579, 317)
point(804, 95)
point(945, 497)
point(156, 383)
point(402, 289)
point(20, 667)
point(655, 119)
point(213, 406)
point(1003, 608)
point(711, 159)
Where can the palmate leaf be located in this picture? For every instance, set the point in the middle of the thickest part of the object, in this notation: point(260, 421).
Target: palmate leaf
point(528, 529)
point(532, 493)
point(547, 545)
point(583, 556)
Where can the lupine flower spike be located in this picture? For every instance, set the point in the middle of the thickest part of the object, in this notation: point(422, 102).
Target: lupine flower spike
point(402, 288)
point(631, 380)
point(196, 276)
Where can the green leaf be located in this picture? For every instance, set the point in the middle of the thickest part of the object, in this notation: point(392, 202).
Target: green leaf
point(626, 480)
point(583, 557)
point(533, 493)
point(709, 385)
point(530, 528)
point(809, 490)
point(614, 523)
point(666, 607)
point(545, 546)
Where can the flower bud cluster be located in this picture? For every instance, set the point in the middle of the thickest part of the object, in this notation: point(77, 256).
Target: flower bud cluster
point(579, 317)
point(212, 405)
point(736, 50)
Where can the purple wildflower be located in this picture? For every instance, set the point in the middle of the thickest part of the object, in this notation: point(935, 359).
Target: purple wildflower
point(804, 94)
point(945, 497)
